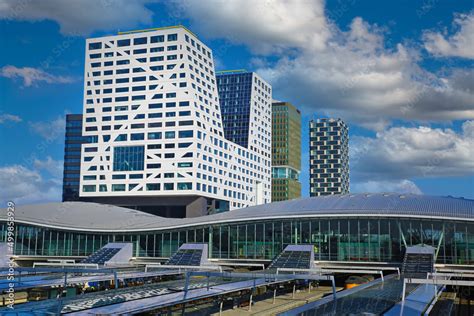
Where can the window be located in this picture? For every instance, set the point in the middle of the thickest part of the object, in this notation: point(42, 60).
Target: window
point(121, 108)
point(184, 145)
point(118, 187)
point(124, 42)
point(121, 138)
point(137, 136)
point(185, 164)
point(123, 89)
point(168, 186)
point(140, 41)
point(153, 165)
point(152, 186)
point(138, 79)
point(169, 134)
point(157, 39)
point(155, 115)
point(172, 37)
point(185, 134)
point(128, 158)
point(185, 123)
point(154, 135)
point(88, 188)
point(95, 46)
point(185, 186)
point(155, 105)
point(139, 88)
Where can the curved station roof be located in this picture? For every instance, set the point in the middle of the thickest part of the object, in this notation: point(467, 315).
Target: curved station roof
point(95, 217)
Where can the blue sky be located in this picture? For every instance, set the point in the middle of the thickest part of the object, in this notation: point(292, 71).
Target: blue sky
point(400, 73)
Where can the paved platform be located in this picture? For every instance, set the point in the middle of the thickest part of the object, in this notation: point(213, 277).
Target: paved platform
point(282, 302)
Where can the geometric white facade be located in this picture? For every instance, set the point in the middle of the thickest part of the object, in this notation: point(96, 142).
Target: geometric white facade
point(151, 109)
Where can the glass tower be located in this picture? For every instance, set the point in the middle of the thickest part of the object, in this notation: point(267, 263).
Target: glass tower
point(235, 90)
point(72, 157)
point(286, 151)
point(328, 157)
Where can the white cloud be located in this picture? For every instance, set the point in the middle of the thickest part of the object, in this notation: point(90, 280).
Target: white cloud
point(50, 130)
point(460, 44)
point(32, 76)
point(53, 167)
point(397, 186)
point(23, 186)
point(351, 74)
point(363, 82)
point(80, 17)
point(405, 153)
point(9, 118)
point(265, 26)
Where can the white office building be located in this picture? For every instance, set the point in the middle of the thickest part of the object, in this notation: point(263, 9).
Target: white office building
point(152, 114)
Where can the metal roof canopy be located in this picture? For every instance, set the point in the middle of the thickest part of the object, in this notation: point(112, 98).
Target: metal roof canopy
point(82, 216)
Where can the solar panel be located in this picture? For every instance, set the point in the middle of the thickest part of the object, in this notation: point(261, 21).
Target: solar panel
point(292, 259)
point(101, 256)
point(186, 257)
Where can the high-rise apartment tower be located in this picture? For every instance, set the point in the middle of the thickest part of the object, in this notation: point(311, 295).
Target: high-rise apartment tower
point(328, 157)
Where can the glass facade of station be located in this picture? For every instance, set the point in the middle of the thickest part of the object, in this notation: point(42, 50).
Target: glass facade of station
point(334, 239)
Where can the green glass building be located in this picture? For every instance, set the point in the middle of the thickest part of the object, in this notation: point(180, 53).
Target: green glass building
point(286, 151)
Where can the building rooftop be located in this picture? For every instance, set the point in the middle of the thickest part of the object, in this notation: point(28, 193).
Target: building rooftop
point(98, 217)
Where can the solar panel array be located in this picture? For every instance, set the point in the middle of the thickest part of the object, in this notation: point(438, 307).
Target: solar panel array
point(292, 259)
point(101, 256)
point(186, 257)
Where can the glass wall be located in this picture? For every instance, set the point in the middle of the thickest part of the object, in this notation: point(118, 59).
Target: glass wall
point(335, 239)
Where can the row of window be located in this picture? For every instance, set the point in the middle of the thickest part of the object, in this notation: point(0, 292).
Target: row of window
point(121, 187)
point(136, 41)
